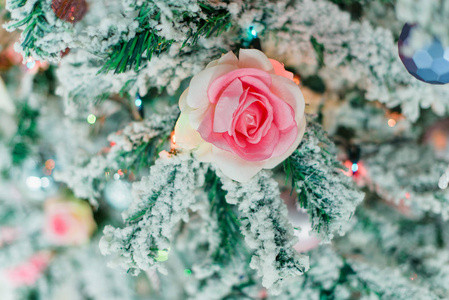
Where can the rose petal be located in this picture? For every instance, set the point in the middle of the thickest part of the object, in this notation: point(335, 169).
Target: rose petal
point(284, 114)
point(206, 132)
point(279, 69)
point(196, 116)
point(288, 91)
point(217, 87)
point(197, 96)
point(252, 58)
point(274, 161)
point(229, 59)
point(259, 114)
point(183, 100)
point(286, 140)
point(235, 167)
point(186, 137)
point(204, 153)
point(265, 126)
point(256, 152)
point(226, 106)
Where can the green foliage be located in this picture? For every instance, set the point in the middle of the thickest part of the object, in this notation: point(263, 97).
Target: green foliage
point(147, 43)
point(319, 50)
point(328, 195)
point(231, 247)
point(26, 135)
point(35, 27)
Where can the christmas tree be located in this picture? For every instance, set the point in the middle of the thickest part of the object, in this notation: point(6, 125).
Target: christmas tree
point(202, 149)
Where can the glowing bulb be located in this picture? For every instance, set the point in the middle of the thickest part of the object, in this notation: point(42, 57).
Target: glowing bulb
point(33, 182)
point(354, 167)
point(91, 119)
point(50, 164)
point(391, 122)
point(187, 272)
point(138, 102)
point(45, 182)
point(162, 255)
point(30, 63)
point(253, 32)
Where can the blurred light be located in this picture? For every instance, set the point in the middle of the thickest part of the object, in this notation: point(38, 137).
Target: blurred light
point(33, 182)
point(45, 182)
point(407, 195)
point(116, 176)
point(118, 194)
point(91, 119)
point(187, 272)
point(173, 145)
point(297, 79)
point(391, 122)
point(253, 32)
point(138, 102)
point(162, 255)
point(354, 167)
point(30, 63)
point(50, 164)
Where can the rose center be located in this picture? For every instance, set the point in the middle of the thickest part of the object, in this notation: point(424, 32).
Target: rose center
point(250, 119)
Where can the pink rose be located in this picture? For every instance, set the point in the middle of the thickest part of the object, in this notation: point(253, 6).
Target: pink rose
point(244, 114)
point(68, 222)
point(27, 273)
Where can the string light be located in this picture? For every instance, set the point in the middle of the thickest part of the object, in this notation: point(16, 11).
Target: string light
point(33, 182)
point(252, 32)
point(187, 272)
point(162, 255)
point(30, 63)
point(354, 167)
point(91, 119)
point(45, 182)
point(391, 122)
point(138, 102)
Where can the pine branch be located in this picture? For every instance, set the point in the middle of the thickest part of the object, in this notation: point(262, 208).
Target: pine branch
point(230, 247)
point(264, 223)
point(388, 170)
point(26, 135)
point(133, 148)
point(329, 196)
point(148, 43)
point(35, 27)
point(161, 200)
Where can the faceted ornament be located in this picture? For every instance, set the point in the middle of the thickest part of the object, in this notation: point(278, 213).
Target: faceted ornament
point(69, 10)
point(430, 63)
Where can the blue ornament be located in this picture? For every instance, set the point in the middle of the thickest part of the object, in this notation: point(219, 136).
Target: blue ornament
point(430, 63)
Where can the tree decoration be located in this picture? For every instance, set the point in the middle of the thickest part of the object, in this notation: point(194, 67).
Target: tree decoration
point(68, 222)
point(244, 114)
point(71, 11)
point(428, 62)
